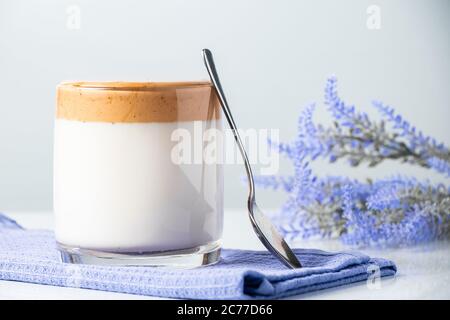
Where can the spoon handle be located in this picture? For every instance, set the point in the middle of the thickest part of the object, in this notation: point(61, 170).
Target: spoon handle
point(264, 229)
point(209, 63)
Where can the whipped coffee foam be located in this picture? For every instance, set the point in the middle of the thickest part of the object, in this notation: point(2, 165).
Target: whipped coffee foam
point(137, 102)
point(115, 186)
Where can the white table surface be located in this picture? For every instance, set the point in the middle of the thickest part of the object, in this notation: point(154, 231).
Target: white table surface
point(423, 272)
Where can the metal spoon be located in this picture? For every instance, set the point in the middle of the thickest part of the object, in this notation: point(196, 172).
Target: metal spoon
point(264, 229)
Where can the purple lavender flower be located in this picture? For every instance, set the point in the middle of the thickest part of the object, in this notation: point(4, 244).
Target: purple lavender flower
point(358, 139)
point(385, 212)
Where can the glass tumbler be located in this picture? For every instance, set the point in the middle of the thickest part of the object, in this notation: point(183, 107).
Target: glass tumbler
point(137, 179)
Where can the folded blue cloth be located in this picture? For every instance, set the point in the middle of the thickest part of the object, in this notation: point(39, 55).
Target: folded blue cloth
point(31, 256)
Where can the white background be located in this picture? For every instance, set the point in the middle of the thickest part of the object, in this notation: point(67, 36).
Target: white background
point(273, 56)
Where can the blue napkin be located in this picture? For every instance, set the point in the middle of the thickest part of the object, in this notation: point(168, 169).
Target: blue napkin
point(31, 256)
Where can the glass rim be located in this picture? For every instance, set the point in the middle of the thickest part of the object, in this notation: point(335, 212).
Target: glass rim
point(134, 85)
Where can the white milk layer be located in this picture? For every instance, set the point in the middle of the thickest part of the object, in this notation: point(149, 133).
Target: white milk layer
point(116, 189)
